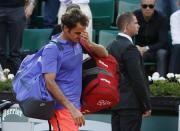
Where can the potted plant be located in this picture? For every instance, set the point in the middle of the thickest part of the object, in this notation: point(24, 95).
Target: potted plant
point(6, 84)
point(165, 91)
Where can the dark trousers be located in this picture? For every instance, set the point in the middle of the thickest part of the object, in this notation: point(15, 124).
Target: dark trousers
point(161, 59)
point(50, 13)
point(12, 23)
point(174, 65)
point(126, 120)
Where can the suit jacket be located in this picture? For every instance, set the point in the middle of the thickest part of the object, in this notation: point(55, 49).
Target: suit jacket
point(133, 86)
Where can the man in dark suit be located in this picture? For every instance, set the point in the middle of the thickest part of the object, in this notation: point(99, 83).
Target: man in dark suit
point(134, 92)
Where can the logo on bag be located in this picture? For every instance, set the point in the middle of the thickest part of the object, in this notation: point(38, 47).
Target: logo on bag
point(105, 80)
point(42, 104)
point(103, 103)
point(101, 62)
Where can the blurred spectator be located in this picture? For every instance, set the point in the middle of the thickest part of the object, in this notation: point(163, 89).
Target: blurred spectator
point(50, 13)
point(84, 5)
point(167, 7)
point(13, 14)
point(29, 6)
point(152, 38)
point(174, 66)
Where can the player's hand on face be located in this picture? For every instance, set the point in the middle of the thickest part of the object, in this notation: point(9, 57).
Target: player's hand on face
point(85, 36)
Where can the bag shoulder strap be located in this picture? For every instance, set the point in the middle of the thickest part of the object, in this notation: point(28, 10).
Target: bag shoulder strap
point(58, 44)
point(60, 47)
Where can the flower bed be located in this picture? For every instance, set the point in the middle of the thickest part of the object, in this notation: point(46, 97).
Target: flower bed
point(5, 80)
point(165, 92)
point(161, 86)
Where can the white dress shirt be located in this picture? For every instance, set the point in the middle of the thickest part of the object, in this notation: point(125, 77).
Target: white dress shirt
point(125, 35)
point(175, 27)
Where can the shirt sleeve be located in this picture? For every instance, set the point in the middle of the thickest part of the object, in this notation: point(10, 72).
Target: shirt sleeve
point(175, 27)
point(50, 59)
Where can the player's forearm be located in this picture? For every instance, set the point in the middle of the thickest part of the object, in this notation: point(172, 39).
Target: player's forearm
point(99, 50)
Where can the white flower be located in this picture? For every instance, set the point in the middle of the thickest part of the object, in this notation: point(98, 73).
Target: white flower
point(6, 71)
point(162, 78)
point(3, 78)
point(170, 75)
point(10, 76)
point(155, 76)
point(149, 78)
point(178, 80)
point(177, 76)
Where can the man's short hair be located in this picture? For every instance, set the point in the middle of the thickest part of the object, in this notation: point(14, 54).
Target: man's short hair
point(72, 17)
point(124, 19)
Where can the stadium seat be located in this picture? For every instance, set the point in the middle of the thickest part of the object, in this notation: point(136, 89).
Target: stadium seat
point(128, 5)
point(107, 36)
point(102, 12)
point(34, 39)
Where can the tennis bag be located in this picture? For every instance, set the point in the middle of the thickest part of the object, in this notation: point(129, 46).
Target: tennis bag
point(100, 83)
point(29, 88)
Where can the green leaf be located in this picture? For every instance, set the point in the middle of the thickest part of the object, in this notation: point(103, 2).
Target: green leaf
point(165, 88)
point(5, 85)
